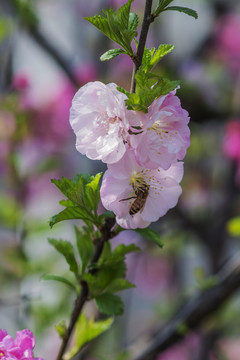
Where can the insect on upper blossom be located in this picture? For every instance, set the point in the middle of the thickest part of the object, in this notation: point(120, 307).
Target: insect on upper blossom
point(138, 195)
point(98, 118)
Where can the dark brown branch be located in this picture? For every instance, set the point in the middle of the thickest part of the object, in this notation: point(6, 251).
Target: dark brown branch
point(54, 53)
point(33, 31)
point(147, 20)
point(83, 296)
point(196, 310)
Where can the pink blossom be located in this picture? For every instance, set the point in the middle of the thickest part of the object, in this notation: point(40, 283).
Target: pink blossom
point(122, 179)
point(19, 349)
point(231, 141)
point(20, 82)
point(165, 136)
point(98, 118)
point(228, 40)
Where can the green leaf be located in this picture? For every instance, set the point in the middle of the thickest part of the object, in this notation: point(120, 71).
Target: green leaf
point(148, 89)
point(233, 226)
point(61, 328)
point(117, 255)
point(112, 53)
point(70, 213)
point(92, 190)
point(123, 14)
point(185, 10)
point(66, 249)
point(133, 21)
point(83, 196)
point(119, 285)
point(104, 276)
point(109, 304)
point(59, 279)
point(118, 26)
point(85, 248)
point(72, 189)
point(87, 330)
point(163, 50)
point(119, 88)
point(151, 235)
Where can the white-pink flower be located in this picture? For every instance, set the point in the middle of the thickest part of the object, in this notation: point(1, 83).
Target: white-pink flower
point(19, 349)
point(158, 189)
point(98, 118)
point(164, 137)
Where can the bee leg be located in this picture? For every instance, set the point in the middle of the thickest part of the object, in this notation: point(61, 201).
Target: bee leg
point(132, 197)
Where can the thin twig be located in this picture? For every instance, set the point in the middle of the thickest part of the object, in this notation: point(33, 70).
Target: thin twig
point(195, 310)
point(147, 20)
point(83, 296)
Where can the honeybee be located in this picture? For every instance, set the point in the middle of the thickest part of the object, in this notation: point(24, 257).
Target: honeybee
point(141, 194)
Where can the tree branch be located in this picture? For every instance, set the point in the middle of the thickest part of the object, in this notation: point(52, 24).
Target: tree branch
point(196, 310)
point(32, 28)
point(83, 296)
point(147, 20)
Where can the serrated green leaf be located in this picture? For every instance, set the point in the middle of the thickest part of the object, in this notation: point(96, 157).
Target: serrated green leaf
point(233, 226)
point(65, 248)
point(70, 213)
point(85, 331)
point(83, 196)
point(117, 255)
point(59, 279)
point(125, 249)
point(151, 235)
point(184, 10)
point(85, 248)
point(119, 285)
point(72, 189)
point(92, 192)
point(163, 50)
point(112, 53)
point(119, 88)
point(109, 304)
point(133, 21)
point(61, 328)
point(123, 14)
point(115, 25)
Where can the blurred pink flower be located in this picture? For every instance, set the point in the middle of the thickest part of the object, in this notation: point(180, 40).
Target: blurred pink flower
point(165, 136)
point(122, 179)
point(231, 140)
point(230, 348)
point(228, 40)
point(20, 82)
point(231, 144)
point(98, 118)
point(19, 349)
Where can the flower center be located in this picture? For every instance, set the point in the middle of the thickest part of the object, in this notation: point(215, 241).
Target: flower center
point(137, 180)
point(158, 128)
point(1, 353)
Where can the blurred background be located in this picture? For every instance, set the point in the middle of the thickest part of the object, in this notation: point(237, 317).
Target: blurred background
point(47, 51)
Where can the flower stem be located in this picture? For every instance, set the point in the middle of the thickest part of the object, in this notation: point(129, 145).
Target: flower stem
point(83, 296)
point(148, 18)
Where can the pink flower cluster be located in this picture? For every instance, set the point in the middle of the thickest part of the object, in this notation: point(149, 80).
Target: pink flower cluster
point(142, 151)
point(19, 349)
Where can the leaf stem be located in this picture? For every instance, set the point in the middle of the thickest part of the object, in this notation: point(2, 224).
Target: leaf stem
point(148, 18)
point(83, 296)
